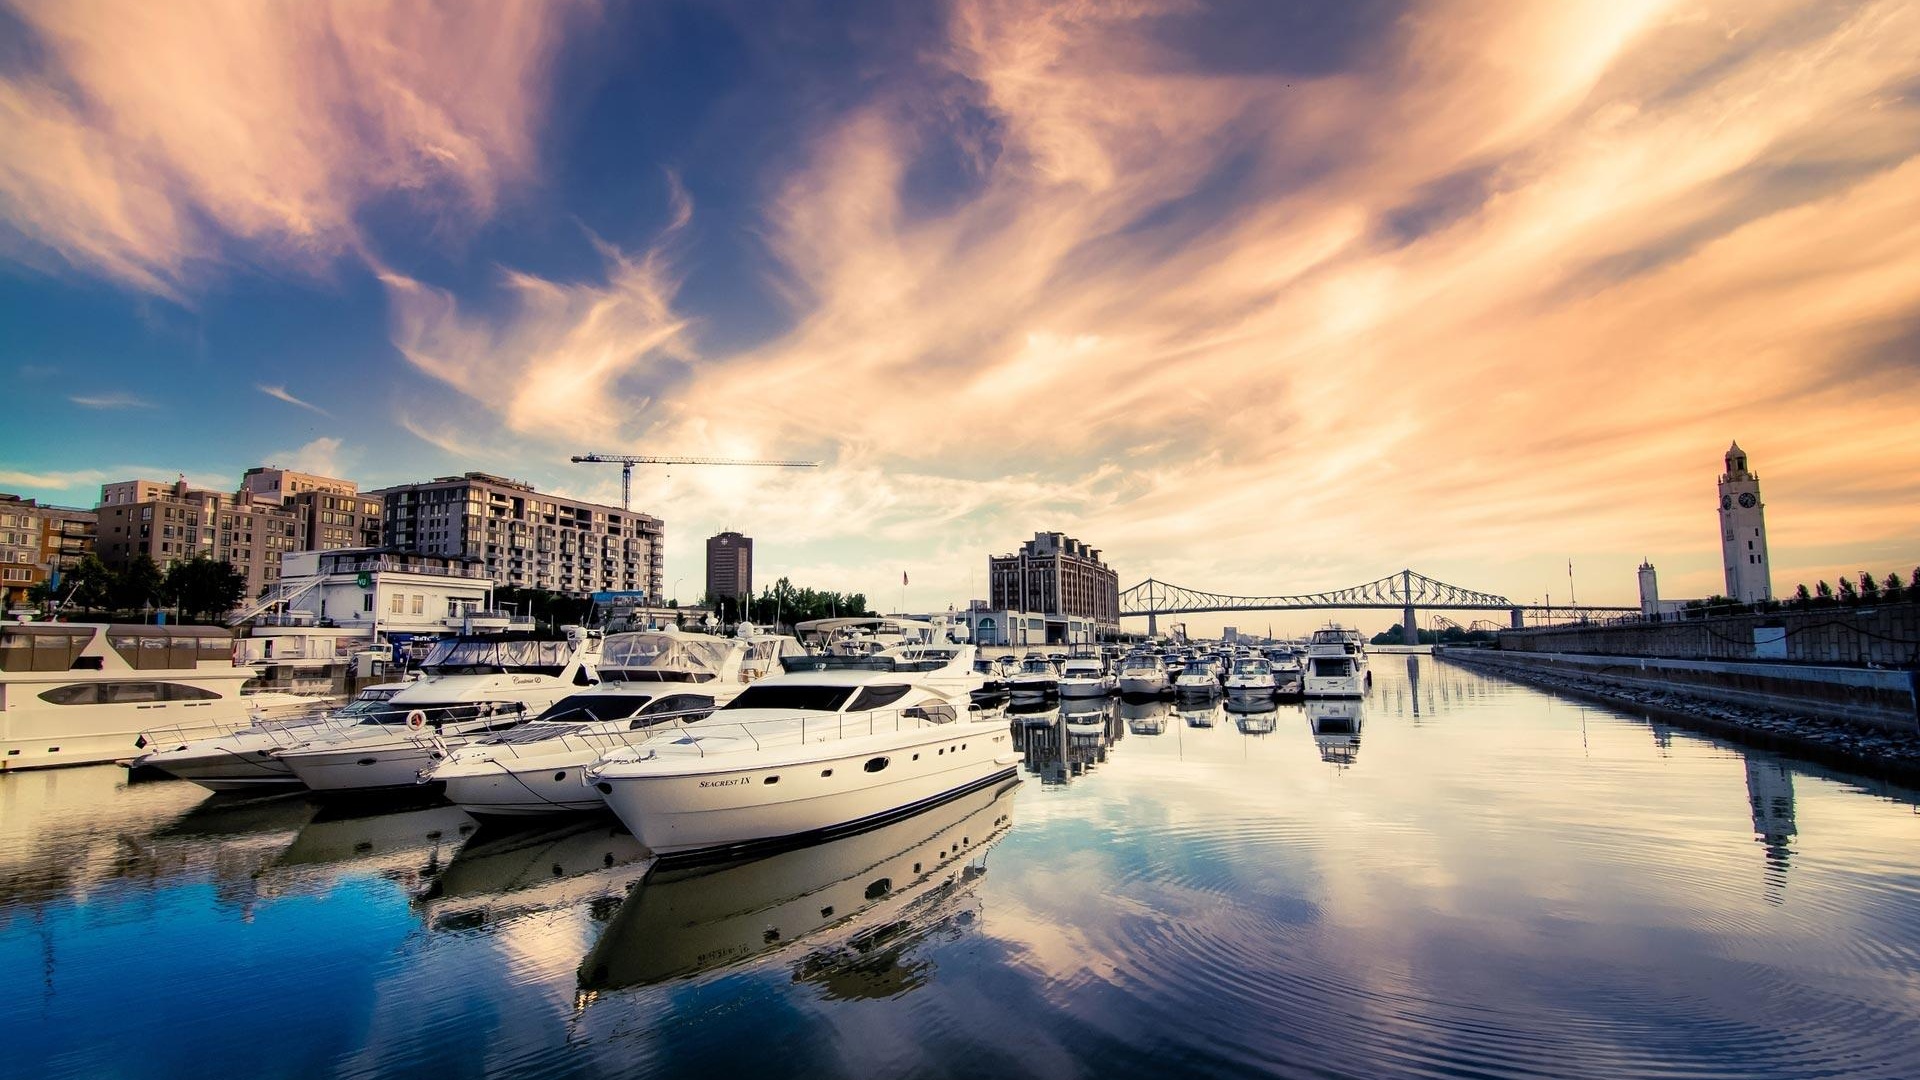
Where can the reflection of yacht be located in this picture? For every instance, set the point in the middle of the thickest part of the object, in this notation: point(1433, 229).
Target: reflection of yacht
point(1336, 664)
point(1034, 712)
point(801, 754)
point(1144, 717)
point(1143, 673)
point(407, 846)
point(80, 693)
point(470, 687)
point(246, 758)
point(1198, 715)
point(1085, 714)
point(1085, 676)
point(647, 679)
point(1263, 722)
point(874, 889)
point(496, 876)
point(1336, 729)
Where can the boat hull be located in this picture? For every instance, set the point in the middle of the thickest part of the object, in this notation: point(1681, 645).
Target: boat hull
point(358, 767)
point(1075, 688)
point(683, 805)
point(533, 786)
point(1143, 684)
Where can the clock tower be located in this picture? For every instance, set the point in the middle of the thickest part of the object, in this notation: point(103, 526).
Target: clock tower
point(1743, 531)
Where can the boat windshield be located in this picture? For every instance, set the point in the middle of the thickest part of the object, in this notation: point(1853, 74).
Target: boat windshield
point(494, 656)
point(1083, 667)
point(1141, 663)
point(1253, 667)
point(365, 706)
point(791, 698)
point(589, 708)
point(663, 657)
point(1036, 665)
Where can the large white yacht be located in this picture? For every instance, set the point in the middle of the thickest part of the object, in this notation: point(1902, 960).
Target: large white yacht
point(1143, 673)
point(83, 693)
point(802, 756)
point(1336, 664)
point(470, 686)
point(646, 678)
point(246, 758)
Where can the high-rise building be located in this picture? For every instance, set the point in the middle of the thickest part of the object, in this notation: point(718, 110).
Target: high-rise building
point(36, 541)
point(729, 565)
point(175, 523)
point(1057, 575)
point(1743, 531)
point(525, 538)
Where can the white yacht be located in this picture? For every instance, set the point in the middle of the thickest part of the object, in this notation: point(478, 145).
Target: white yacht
point(84, 693)
point(1251, 676)
point(1085, 676)
point(1036, 675)
point(1336, 664)
point(1198, 678)
point(246, 758)
point(1143, 673)
point(470, 686)
point(647, 678)
point(804, 755)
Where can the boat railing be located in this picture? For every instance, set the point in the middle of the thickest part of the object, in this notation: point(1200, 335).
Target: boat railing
point(811, 728)
point(605, 735)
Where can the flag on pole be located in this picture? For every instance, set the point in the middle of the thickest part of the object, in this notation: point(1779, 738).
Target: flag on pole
point(903, 579)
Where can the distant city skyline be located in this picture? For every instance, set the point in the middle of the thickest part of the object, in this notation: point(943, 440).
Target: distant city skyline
point(1255, 299)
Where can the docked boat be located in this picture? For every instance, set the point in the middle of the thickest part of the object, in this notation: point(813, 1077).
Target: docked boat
point(1336, 664)
point(1251, 676)
point(647, 679)
point(470, 686)
point(801, 757)
point(1143, 673)
point(1198, 679)
point(1085, 676)
point(1037, 675)
point(993, 672)
point(84, 693)
point(248, 758)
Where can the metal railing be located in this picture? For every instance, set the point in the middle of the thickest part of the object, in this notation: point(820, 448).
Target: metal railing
point(802, 728)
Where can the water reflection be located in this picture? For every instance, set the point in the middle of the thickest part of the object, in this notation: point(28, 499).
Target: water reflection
point(858, 904)
point(1143, 716)
point(504, 873)
point(407, 847)
point(1770, 797)
point(1336, 729)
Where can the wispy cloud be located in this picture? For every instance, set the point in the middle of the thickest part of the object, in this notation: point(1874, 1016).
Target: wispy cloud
point(286, 395)
point(110, 401)
point(148, 135)
point(322, 455)
point(52, 481)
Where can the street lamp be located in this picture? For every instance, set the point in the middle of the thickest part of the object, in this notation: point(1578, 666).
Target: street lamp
point(676, 586)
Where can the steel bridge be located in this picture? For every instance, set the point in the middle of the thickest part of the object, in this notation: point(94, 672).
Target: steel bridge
point(1407, 590)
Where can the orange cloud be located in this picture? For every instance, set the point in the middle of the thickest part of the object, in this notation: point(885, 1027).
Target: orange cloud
point(151, 133)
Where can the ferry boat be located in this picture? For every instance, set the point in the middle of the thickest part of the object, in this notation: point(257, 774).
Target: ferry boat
point(83, 693)
point(1143, 673)
point(1336, 664)
point(801, 757)
point(470, 686)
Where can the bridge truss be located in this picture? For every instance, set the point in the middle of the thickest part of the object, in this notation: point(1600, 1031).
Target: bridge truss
point(1407, 590)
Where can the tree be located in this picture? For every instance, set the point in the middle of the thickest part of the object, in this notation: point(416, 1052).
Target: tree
point(1824, 591)
point(138, 585)
point(90, 584)
point(1801, 597)
point(1893, 587)
point(1869, 588)
point(1848, 594)
point(204, 587)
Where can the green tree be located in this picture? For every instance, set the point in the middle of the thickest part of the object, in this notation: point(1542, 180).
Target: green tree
point(1801, 597)
point(89, 585)
point(1869, 588)
point(138, 585)
point(203, 587)
point(1824, 591)
point(1894, 587)
point(1848, 594)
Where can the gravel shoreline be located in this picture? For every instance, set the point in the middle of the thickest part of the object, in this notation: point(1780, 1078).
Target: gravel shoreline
point(1870, 752)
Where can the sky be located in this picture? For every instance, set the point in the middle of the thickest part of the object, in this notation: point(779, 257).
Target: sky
point(1257, 296)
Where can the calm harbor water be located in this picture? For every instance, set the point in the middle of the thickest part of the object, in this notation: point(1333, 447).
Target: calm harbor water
point(1485, 881)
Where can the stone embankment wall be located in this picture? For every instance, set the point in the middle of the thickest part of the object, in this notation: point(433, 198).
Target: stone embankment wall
point(1875, 734)
point(1887, 636)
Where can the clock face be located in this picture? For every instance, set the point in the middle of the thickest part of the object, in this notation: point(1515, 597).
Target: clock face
point(1726, 502)
point(1747, 500)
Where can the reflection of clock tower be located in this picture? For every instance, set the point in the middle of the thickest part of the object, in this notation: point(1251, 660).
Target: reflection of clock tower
point(1743, 531)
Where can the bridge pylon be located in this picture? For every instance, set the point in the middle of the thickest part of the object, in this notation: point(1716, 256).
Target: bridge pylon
point(1409, 629)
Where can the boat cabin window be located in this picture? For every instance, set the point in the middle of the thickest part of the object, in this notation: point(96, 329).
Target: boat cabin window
point(496, 656)
point(118, 693)
point(937, 714)
point(1036, 665)
point(1332, 666)
point(42, 648)
point(1252, 667)
point(875, 697)
point(799, 698)
point(683, 706)
point(589, 708)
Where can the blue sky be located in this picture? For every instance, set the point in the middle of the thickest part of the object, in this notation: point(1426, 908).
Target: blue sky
point(1257, 297)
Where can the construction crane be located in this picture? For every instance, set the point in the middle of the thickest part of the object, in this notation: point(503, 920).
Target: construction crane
point(628, 461)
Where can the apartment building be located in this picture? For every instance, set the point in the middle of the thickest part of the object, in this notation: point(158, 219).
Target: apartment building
point(175, 523)
point(729, 565)
point(1055, 574)
point(36, 540)
point(524, 537)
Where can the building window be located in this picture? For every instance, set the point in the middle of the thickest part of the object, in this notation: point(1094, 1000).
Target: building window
point(399, 605)
point(418, 600)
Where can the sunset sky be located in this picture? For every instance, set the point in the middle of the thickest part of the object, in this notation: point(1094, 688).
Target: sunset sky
point(1257, 296)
